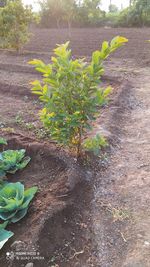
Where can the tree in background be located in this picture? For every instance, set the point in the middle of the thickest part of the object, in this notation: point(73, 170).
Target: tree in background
point(130, 3)
point(113, 8)
point(14, 21)
point(93, 10)
point(51, 12)
point(83, 13)
point(69, 10)
point(138, 14)
point(142, 8)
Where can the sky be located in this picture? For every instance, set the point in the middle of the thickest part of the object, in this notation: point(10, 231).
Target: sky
point(118, 3)
point(104, 6)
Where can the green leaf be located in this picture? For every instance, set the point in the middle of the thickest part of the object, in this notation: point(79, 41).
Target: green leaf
point(105, 45)
point(3, 225)
point(12, 160)
point(2, 173)
point(7, 215)
point(3, 141)
point(15, 190)
point(36, 62)
point(2, 183)
point(4, 236)
point(14, 201)
point(117, 42)
point(95, 144)
point(19, 215)
point(96, 57)
point(28, 196)
point(23, 164)
point(107, 91)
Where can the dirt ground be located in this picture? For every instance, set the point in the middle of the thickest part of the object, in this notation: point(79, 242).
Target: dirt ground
point(94, 213)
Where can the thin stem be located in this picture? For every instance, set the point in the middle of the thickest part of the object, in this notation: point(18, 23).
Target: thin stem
point(79, 142)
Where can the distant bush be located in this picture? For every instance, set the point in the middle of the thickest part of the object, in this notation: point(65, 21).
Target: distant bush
point(14, 24)
point(111, 19)
point(124, 18)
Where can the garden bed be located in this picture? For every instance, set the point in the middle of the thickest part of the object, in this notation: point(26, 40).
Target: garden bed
point(59, 222)
point(55, 175)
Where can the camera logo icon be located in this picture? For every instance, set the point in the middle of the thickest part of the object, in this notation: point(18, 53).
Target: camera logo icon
point(10, 255)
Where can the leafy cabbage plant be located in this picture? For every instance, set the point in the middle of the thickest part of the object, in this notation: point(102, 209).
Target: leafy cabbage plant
point(12, 160)
point(14, 201)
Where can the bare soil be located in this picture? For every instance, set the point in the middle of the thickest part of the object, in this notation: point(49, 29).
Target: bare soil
point(94, 212)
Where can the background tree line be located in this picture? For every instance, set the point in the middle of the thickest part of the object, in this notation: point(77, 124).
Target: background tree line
point(88, 13)
point(71, 13)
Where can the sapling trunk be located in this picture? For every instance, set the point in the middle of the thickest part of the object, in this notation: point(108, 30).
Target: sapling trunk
point(69, 27)
point(58, 23)
point(79, 146)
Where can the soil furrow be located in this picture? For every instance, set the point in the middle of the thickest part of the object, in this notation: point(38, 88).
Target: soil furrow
point(127, 190)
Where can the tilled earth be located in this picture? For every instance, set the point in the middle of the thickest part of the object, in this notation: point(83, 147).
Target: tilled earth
point(94, 213)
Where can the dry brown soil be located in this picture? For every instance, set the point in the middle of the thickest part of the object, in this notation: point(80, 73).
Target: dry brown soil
point(94, 213)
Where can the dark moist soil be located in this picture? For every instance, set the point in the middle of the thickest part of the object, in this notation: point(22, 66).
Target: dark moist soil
point(56, 176)
point(72, 220)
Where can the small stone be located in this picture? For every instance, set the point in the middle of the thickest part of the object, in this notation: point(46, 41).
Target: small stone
point(30, 264)
point(88, 176)
point(146, 243)
point(18, 245)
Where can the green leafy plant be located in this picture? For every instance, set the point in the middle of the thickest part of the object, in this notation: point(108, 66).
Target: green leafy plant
point(12, 160)
point(95, 144)
point(3, 141)
point(4, 234)
point(14, 21)
point(14, 201)
point(19, 120)
point(71, 92)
